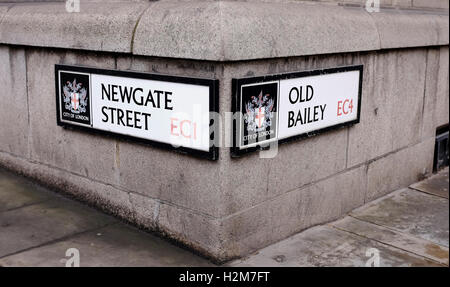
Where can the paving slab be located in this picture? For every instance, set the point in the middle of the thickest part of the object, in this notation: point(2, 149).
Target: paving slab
point(328, 246)
point(38, 224)
point(16, 192)
point(115, 245)
point(410, 211)
point(394, 238)
point(436, 185)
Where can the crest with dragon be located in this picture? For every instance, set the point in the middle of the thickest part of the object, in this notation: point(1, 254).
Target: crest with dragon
point(259, 113)
point(75, 97)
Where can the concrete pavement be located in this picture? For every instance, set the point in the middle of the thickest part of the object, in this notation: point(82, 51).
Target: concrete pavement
point(409, 227)
point(37, 226)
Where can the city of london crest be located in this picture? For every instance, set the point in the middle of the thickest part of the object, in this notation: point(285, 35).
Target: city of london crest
point(259, 114)
point(75, 97)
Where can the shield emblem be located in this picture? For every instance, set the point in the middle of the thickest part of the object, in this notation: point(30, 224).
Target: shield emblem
point(260, 117)
point(75, 100)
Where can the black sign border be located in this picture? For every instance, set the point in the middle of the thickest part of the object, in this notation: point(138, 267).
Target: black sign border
point(213, 84)
point(236, 104)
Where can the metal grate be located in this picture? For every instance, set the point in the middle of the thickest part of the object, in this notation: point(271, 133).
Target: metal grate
point(441, 149)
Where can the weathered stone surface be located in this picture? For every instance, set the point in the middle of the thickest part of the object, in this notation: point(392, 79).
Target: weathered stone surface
point(392, 105)
point(430, 93)
point(145, 211)
point(262, 33)
point(442, 100)
point(327, 246)
point(3, 9)
point(376, 111)
point(84, 154)
point(407, 92)
point(174, 67)
point(222, 30)
point(252, 180)
point(389, 173)
point(181, 180)
point(409, 28)
point(106, 26)
point(383, 3)
point(13, 101)
point(300, 163)
point(197, 231)
point(412, 212)
point(226, 31)
point(440, 4)
point(191, 29)
point(289, 213)
point(394, 238)
point(112, 246)
point(442, 23)
point(436, 185)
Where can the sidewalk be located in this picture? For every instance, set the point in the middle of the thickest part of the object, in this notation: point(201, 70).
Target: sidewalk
point(409, 227)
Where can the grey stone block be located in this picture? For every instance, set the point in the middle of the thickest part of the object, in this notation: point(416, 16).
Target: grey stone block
point(430, 93)
point(392, 105)
point(145, 211)
point(289, 213)
point(175, 67)
point(181, 180)
point(410, 28)
point(196, 231)
point(14, 102)
point(402, 3)
point(220, 31)
point(442, 99)
point(437, 4)
point(180, 30)
point(3, 9)
point(407, 92)
point(300, 163)
point(106, 26)
point(376, 110)
point(227, 31)
point(78, 152)
point(399, 169)
point(442, 27)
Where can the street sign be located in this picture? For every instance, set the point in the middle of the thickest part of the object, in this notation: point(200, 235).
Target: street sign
point(168, 111)
point(294, 105)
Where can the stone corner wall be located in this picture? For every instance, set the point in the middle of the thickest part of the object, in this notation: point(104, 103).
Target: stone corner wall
point(228, 208)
